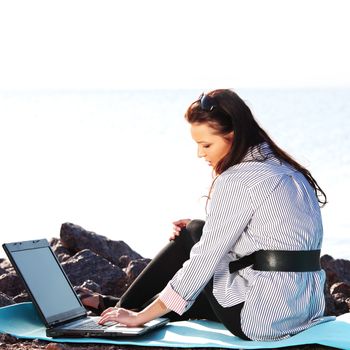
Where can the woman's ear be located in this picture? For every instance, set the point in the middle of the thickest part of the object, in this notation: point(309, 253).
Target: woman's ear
point(229, 137)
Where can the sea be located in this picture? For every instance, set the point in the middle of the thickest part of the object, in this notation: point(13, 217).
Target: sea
point(123, 164)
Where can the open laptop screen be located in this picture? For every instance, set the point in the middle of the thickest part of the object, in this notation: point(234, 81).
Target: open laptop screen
point(46, 281)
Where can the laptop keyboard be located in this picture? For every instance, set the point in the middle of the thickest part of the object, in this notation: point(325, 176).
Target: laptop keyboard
point(86, 324)
point(91, 325)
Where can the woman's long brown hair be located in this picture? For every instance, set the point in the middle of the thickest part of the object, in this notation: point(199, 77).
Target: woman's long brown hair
point(230, 113)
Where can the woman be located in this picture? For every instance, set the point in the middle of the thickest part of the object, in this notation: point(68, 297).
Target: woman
point(254, 264)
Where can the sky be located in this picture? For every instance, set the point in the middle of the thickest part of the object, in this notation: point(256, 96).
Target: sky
point(158, 44)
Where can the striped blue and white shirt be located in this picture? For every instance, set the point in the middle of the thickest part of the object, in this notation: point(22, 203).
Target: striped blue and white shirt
point(257, 205)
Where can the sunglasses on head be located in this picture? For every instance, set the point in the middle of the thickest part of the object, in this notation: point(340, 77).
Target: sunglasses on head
point(207, 102)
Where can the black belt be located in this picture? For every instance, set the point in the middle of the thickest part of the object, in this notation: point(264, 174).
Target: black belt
point(279, 260)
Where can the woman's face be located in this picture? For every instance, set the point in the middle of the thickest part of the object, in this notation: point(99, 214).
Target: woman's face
point(211, 146)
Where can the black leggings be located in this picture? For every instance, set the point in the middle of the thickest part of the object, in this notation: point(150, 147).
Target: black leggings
point(162, 268)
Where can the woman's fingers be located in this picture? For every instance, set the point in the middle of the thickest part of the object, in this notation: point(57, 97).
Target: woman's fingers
point(174, 235)
point(120, 315)
point(107, 311)
point(177, 227)
point(181, 222)
point(109, 315)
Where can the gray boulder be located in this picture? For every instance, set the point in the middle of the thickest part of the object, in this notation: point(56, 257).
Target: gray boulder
point(60, 251)
point(87, 265)
point(337, 288)
point(5, 300)
point(337, 270)
point(5, 265)
point(11, 284)
point(75, 238)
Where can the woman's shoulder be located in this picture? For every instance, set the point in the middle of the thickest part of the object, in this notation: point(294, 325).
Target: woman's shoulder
point(253, 172)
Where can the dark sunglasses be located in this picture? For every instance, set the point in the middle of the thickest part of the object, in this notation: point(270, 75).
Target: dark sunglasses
point(207, 102)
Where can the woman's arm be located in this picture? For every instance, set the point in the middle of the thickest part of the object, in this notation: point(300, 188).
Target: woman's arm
point(132, 318)
point(230, 212)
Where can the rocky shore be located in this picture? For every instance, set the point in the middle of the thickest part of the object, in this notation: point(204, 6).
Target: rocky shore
point(108, 267)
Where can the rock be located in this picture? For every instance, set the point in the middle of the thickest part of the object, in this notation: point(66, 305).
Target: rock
point(91, 285)
point(340, 293)
point(76, 238)
point(57, 346)
point(5, 300)
point(337, 270)
point(5, 264)
point(135, 267)
point(87, 265)
point(8, 339)
point(340, 288)
point(60, 251)
point(337, 285)
point(11, 284)
point(124, 261)
point(21, 298)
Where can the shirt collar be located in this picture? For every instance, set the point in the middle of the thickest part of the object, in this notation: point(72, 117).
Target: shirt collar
point(258, 152)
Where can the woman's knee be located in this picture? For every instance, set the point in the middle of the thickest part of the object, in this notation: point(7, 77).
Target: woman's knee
point(188, 237)
point(195, 229)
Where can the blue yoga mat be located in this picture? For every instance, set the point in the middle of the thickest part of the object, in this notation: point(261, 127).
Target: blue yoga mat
point(22, 321)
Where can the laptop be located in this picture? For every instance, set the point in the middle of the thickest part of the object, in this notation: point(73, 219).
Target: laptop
point(56, 300)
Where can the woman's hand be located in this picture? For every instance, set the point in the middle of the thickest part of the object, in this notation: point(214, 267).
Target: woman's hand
point(120, 315)
point(177, 227)
point(134, 319)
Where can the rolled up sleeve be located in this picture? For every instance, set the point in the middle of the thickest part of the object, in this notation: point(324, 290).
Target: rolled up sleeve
point(173, 300)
